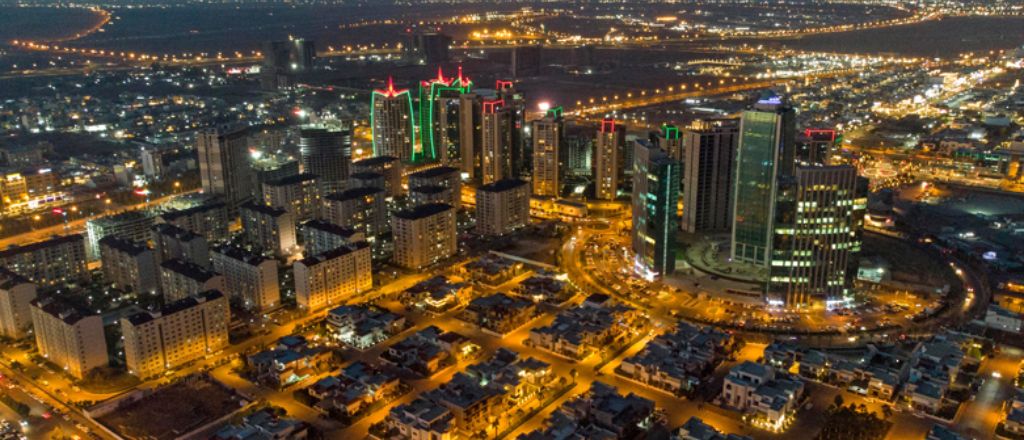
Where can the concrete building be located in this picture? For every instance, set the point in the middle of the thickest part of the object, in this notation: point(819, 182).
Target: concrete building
point(210, 220)
point(758, 390)
point(16, 295)
point(818, 223)
point(438, 177)
point(496, 127)
point(389, 168)
point(271, 229)
point(330, 278)
point(131, 225)
point(362, 209)
point(707, 159)
point(172, 242)
point(129, 265)
point(319, 236)
point(298, 194)
point(327, 154)
point(392, 123)
point(49, 263)
point(547, 144)
point(250, 279)
point(179, 333)
point(765, 153)
point(224, 164)
point(424, 235)
point(609, 159)
point(71, 339)
point(502, 207)
point(181, 279)
point(655, 198)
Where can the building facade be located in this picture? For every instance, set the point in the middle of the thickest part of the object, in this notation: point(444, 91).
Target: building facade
point(70, 338)
point(502, 207)
point(271, 229)
point(424, 235)
point(707, 158)
point(326, 153)
point(224, 164)
point(332, 277)
point(49, 263)
point(250, 279)
point(392, 123)
point(655, 197)
point(547, 166)
point(608, 159)
point(129, 265)
point(16, 295)
point(180, 332)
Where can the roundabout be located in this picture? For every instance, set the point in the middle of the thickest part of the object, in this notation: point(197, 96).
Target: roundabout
point(706, 290)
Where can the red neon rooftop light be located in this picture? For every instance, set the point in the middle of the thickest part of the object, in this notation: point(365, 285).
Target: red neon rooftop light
point(810, 132)
point(390, 92)
point(502, 85)
point(492, 106)
point(439, 80)
point(462, 80)
point(607, 125)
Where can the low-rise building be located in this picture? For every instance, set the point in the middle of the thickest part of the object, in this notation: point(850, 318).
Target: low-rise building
point(180, 332)
point(678, 361)
point(16, 295)
point(264, 425)
point(363, 327)
point(582, 331)
point(423, 352)
point(291, 359)
point(600, 413)
point(354, 390)
point(331, 277)
point(757, 389)
point(129, 265)
point(1000, 318)
point(499, 313)
point(437, 295)
point(251, 279)
point(181, 279)
point(493, 270)
point(70, 338)
point(696, 429)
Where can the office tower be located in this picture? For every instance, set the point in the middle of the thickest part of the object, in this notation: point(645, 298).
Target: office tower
point(129, 265)
point(268, 228)
point(817, 236)
point(326, 153)
point(131, 225)
point(423, 235)
point(388, 167)
point(282, 60)
point(815, 146)
point(332, 277)
point(224, 164)
point(427, 47)
point(251, 279)
point(298, 194)
point(302, 55)
point(515, 105)
point(49, 263)
point(180, 279)
point(16, 295)
point(502, 207)
point(438, 117)
point(655, 196)
point(708, 148)
point(608, 159)
point(670, 140)
point(179, 333)
point(320, 236)
point(496, 141)
point(391, 123)
point(765, 153)
point(70, 338)
point(447, 179)
point(547, 141)
point(578, 150)
point(172, 242)
point(209, 220)
point(363, 209)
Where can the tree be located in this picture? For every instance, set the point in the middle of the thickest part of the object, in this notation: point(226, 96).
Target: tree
point(886, 411)
point(838, 401)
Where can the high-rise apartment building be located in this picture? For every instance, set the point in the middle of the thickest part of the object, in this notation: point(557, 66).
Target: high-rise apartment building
point(224, 164)
point(70, 338)
point(708, 148)
point(16, 295)
point(502, 207)
point(130, 225)
point(424, 235)
point(389, 168)
point(439, 116)
point(181, 279)
point(496, 127)
point(172, 242)
point(268, 228)
point(129, 265)
point(608, 159)
point(332, 277)
point(298, 194)
point(250, 279)
point(655, 196)
point(444, 177)
point(319, 236)
point(392, 123)
point(181, 332)
point(49, 263)
point(547, 166)
point(209, 220)
point(362, 209)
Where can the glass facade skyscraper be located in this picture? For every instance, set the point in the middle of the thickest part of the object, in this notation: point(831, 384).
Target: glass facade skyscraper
point(655, 195)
